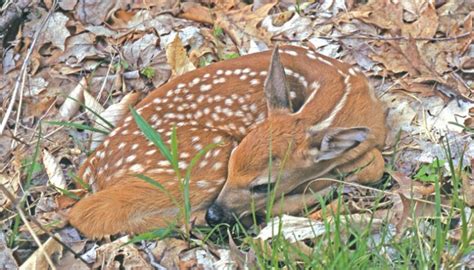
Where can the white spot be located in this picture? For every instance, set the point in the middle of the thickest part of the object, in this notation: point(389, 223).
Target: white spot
point(255, 82)
point(125, 132)
point(106, 143)
point(243, 77)
point(164, 163)
point(128, 119)
point(150, 152)
point(228, 72)
point(237, 71)
point(253, 74)
point(219, 72)
point(154, 118)
point(180, 85)
point(292, 53)
point(182, 165)
point(216, 152)
point(212, 190)
point(206, 111)
point(228, 112)
point(217, 166)
point(242, 130)
point(325, 61)
point(203, 164)
point(229, 102)
point(122, 145)
point(215, 117)
point(218, 98)
point(198, 114)
point(292, 94)
point(195, 81)
point(119, 163)
point(246, 70)
point(202, 183)
point(184, 155)
point(134, 146)
point(130, 158)
point(138, 168)
point(217, 139)
point(253, 107)
point(352, 72)
point(207, 75)
point(263, 73)
point(157, 101)
point(205, 88)
point(198, 147)
point(219, 80)
point(311, 56)
point(239, 113)
point(157, 170)
point(195, 139)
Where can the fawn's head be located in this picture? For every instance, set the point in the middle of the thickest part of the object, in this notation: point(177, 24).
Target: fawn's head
point(280, 154)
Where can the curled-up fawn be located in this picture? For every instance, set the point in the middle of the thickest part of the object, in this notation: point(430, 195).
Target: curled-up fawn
point(308, 114)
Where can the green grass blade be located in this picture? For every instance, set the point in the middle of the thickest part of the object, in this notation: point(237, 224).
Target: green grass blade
point(151, 135)
point(78, 126)
point(110, 125)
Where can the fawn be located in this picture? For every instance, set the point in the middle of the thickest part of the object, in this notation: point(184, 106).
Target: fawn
point(314, 115)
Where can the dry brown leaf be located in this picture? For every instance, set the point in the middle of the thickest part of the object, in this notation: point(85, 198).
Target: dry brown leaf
point(167, 252)
point(72, 104)
point(93, 106)
point(115, 255)
point(37, 259)
point(54, 171)
point(242, 25)
point(11, 183)
point(196, 12)
point(177, 57)
point(55, 31)
point(7, 260)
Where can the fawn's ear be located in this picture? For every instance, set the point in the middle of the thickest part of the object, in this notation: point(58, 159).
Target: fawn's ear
point(335, 142)
point(276, 86)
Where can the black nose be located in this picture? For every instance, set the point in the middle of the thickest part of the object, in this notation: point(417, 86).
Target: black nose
point(216, 214)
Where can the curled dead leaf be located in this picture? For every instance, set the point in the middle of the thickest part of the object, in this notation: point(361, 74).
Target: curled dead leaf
point(72, 104)
point(178, 58)
point(113, 114)
point(54, 171)
point(93, 106)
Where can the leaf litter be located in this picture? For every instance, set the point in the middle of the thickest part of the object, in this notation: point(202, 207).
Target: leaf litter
point(416, 53)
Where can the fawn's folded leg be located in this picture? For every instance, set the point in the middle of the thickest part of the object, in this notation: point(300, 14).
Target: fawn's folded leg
point(131, 206)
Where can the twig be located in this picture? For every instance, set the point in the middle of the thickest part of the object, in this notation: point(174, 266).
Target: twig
point(369, 37)
point(25, 218)
point(378, 190)
point(24, 67)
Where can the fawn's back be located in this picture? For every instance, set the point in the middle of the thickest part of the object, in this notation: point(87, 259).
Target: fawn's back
point(221, 103)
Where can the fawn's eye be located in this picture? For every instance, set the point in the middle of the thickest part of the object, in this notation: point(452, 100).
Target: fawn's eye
point(263, 188)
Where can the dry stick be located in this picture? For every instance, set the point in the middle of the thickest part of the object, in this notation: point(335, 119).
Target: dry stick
point(379, 190)
point(24, 217)
point(367, 37)
point(18, 113)
point(30, 229)
point(24, 68)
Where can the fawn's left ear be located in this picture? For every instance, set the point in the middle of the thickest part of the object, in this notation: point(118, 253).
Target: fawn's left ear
point(276, 86)
point(335, 142)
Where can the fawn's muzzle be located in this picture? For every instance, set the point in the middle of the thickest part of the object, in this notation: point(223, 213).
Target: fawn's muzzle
point(217, 214)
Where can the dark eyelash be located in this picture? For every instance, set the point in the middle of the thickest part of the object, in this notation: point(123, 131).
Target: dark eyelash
point(263, 188)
